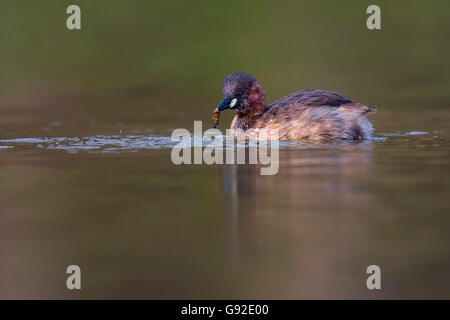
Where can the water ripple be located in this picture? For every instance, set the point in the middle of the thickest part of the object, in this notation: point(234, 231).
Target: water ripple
point(133, 143)
point(99, 143)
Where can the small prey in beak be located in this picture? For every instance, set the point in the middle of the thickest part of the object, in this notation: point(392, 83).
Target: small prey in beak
point(215, 118)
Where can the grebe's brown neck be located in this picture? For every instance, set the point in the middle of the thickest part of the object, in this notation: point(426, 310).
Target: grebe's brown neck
point(253, 108)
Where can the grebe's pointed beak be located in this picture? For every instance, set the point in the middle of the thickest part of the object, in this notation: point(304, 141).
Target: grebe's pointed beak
point(227, 103)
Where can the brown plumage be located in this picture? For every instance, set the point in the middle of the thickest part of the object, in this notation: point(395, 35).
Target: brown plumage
point(303, 115)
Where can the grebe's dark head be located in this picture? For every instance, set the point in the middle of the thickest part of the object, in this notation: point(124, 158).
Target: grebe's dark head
point(243, 94)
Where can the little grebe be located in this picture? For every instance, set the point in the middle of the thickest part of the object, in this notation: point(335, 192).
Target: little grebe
point(303, 115)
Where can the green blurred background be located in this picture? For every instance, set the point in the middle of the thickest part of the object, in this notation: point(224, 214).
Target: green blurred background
point(162, 63)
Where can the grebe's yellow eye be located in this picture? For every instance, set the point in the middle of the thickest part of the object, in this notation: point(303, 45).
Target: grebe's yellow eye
point(233, 103)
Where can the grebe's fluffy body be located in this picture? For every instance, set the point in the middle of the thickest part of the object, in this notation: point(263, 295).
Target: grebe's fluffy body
point(303, 115)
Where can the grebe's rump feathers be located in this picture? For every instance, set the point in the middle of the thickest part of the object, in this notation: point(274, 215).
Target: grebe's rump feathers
point(312, 114)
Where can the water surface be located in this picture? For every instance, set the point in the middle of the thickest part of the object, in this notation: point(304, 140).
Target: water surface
point(141, 227)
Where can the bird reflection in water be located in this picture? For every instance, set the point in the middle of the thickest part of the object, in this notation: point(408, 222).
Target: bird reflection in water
point(275, 220)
